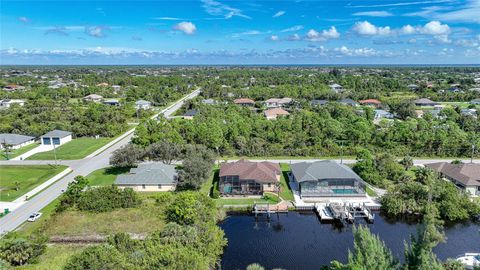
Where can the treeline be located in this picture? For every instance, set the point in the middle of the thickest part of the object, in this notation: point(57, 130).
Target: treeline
point(325, 131)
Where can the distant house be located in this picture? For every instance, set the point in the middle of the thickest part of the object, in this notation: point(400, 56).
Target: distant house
point(412, 87)
point(272, 114)
point(15, 141)
point(103, 84)
point(371, 102)
point(424, 102)
point(93, 98)
point(454, 89)
point(116, 88)
point(326, 179)
point(382, 114)
point(278, 102)
point(465, 176)
point(111, 102)
point(155, 176)
point(56, 137)
point(475, 101)
point(318, 102)
point(209, 101)
point(244, 102)
point(13, 87)
point(349, 102)
point(190, 114)
point(337, 88)
point(248, 178)
point(469, 112)
point(143, 104)
point(7, 103)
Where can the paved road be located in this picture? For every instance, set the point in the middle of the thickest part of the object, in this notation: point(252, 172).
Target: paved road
point(79, 167)
point(351, 161)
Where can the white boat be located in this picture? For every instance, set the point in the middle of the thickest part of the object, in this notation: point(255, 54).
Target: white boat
point(470, 260)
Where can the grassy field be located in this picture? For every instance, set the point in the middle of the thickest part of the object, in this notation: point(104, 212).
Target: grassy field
point(18, 152)
point(105, 176)
point(26, 177)
point(144, 219)
point(54, 258)
point(268, 198)
point(285, 191)
point(75, 149)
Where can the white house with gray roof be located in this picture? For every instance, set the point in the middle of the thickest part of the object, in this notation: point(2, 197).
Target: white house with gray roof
point(56, 137)
point(327, 179)
point(153, 176)
point(15, 141)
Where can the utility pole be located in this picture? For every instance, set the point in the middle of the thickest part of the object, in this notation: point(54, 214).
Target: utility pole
point(54, 152)
point(473, 152)
point(341, 152)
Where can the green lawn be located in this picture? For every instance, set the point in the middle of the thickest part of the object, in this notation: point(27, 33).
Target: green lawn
point(268, 198)
point(371, 192)
point(285, 191)
point(26, 177)
point(18, 152)
point(105, 176)
point(75, 149)
point(54, 258)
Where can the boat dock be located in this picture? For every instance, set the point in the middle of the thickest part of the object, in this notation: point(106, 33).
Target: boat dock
point(346, 212)
point(268, 209)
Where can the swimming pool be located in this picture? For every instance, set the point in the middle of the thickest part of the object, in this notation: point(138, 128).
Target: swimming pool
point(344, 191)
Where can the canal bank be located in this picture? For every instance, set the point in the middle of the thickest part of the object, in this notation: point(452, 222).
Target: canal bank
point(298, 240)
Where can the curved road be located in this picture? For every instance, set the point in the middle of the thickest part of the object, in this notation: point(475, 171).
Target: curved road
point(79, 167)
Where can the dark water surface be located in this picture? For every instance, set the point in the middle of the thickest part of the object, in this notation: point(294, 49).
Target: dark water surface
point(299, 241)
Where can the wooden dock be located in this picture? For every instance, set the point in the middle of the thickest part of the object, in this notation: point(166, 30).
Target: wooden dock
point(268, 209)
point(345, 213)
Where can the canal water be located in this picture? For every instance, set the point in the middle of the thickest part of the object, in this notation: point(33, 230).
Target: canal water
point(299, 241)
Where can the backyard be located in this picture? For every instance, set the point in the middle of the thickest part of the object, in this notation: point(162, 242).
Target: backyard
point(75, 149)
point(105, 176)
point(16, 180)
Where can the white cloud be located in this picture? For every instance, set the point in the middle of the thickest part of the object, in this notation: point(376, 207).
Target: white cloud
point(274, 38)
point(24, 19)
point(278, 14)
point(186, 27)
point(249, 33)
point(293, 37)
point(365, 28)
point(408, 29)
point(313, 35)
point(435, 28)
point(95, 31)
point(468, 13)
point(292, 29)
point(402, 4)
point(168, 19)
point(363, 52)
point(215, 8)
point(373, 14)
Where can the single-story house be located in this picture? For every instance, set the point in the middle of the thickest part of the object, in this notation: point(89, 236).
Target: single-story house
point(371, 102)
point(469, 112)
point(244, 102)
point(209, 101)
point(337, 88)
point(248, 178)
point(93, 97)
point(465, 176)
point(272, 114)
point(423, 102)
point(111, 102)
point(412, 86)
point(382, 114)
point(475, 101)
point(15, 141)
point(143, 104)
point(56, 137)
point(116, 88)
point(319, 102)
point(349, 102)
point(154, 176)
point(103, 84)
point(7, 103)
point(327, 178)
point(278, 102)
point(13, 87)
point(190, 114)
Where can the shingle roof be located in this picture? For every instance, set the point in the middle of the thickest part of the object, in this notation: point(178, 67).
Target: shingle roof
point(191, 113)
point(465, 173)
point(142, 102)
point(275, 112)
point(370, 101)
point(154, 173)
point(14, 139)
point(244, 101)
point(284, 100)
point(319, 102)
point(266, 172)
point(425, 101)
point(319, 170)
point(57, 133)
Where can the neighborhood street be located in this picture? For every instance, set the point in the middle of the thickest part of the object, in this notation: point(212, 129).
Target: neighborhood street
point(79, 167)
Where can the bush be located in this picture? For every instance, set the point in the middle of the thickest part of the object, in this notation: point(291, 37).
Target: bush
point(104, 257)
point(190, 208)
point(103, 199)
point(215, 194)
point(20, 251)
point(163, 197)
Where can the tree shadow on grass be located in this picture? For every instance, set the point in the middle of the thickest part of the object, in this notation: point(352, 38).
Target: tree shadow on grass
point(117, 170)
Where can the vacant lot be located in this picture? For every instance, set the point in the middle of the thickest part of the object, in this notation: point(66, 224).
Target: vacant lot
point(17, 152)
point(144, 219)
point(75, 149)
point(106, 176)
point(54, 258)
point(18, 180)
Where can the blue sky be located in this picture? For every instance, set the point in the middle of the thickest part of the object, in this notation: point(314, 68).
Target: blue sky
point(240, 32)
